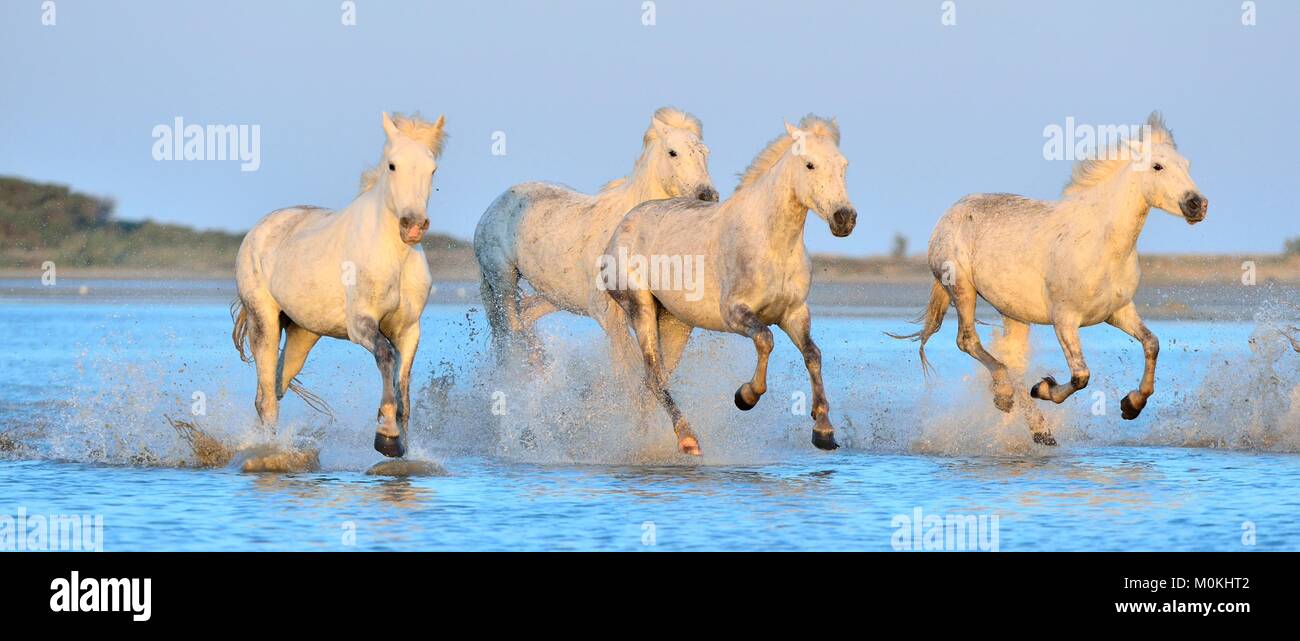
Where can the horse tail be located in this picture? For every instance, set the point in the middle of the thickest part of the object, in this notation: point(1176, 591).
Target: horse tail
point(240, 334)
point(310, 398)
point(931, 319)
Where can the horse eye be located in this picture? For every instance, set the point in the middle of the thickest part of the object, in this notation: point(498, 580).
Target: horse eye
point(672, 153)
point(1157, 166)
point(810, 166)
point(392, 167)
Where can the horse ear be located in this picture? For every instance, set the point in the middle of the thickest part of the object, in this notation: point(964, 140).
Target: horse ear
point(659, 126)
point(792, 130)
point(389, 128)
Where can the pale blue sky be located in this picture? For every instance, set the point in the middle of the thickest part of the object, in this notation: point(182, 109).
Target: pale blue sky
point(928, 112)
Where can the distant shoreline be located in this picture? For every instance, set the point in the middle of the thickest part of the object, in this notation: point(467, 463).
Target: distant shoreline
point(456, 266)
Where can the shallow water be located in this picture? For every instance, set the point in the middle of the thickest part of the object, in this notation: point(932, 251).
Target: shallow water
point(559, 459)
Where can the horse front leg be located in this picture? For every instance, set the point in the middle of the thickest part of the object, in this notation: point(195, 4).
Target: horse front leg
point(388, 437)
point(743, 321)
point(1127, 320)
point(1067, 333)
point(798, 326)
point(407, 343)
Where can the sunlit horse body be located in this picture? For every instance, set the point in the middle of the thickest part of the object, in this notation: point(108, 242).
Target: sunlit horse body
point(552, 236)
point(756, 270)
point(357, 274)
point(1068, 263)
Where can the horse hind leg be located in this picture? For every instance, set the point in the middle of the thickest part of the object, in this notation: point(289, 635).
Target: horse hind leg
point(642, 311)
point(1067, 333)
point(511, 326)
point(968, 340)
point(298, 342)
point(264, 341)
point(1013, 347)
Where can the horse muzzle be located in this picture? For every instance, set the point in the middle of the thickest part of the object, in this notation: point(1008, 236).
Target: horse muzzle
point(412, 232)
point(1194, 207)
point(843, 221)
point(707, 194)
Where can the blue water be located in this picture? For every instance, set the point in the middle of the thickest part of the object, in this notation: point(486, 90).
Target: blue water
point(556, 460)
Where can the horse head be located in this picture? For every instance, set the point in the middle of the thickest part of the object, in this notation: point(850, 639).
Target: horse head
point(817, 172)
point(406, 171)
point(674, 146)
point(1164, 175)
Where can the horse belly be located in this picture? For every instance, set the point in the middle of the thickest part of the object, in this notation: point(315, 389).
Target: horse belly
point(313, 305)
point(1023, 298)
point(695, 310)
point(556, 253)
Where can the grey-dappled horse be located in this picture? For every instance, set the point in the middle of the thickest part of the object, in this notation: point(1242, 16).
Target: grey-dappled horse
point(551, 236)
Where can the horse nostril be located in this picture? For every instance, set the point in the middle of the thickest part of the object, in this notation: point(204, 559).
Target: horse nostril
point(845, 216)
point(708, 194)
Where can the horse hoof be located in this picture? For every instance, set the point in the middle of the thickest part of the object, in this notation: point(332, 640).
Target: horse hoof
point(688, 445)
point(824, 440)
point(1043, 389)
point(741, 403)
point(1044, 438)
point(390, 446)
point(1127, 410)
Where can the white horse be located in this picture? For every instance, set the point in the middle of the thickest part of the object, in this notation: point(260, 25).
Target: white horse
point(357, 274)
point(552, 236)
point(755, 268)
point(1068, 263)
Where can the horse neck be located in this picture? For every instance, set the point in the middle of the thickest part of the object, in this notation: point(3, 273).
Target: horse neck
point(770, 204)
point(368, 221)
point(643, 184)
point(1120, 211)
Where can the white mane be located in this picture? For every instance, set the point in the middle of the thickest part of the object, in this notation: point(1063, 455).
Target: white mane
point(767, 158)
point(671, 117)
point(1093, 171)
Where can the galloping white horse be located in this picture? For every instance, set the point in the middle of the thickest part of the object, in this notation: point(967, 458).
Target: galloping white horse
point(552, 236)
point(357, 274)
point(756, 271)
point(1069, 263)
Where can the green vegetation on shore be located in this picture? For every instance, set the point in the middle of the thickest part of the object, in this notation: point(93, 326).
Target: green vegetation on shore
point(49, 222)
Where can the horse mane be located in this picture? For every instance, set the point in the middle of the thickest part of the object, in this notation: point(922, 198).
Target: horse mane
point(767, 158)
point(1093, 171)
point(429, 134)
point(668, 116)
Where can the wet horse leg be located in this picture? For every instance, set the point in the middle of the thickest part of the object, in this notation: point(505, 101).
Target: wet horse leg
point(1067, 333)
point(673, 337)
point(388, 438)
point(798, 326)
point(1013, 347)
point(743, 321)
point(264, 339)
point(407, 342)
point(297, 343)
point(643, 311)
point(1128, 321)
point(968, 340)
